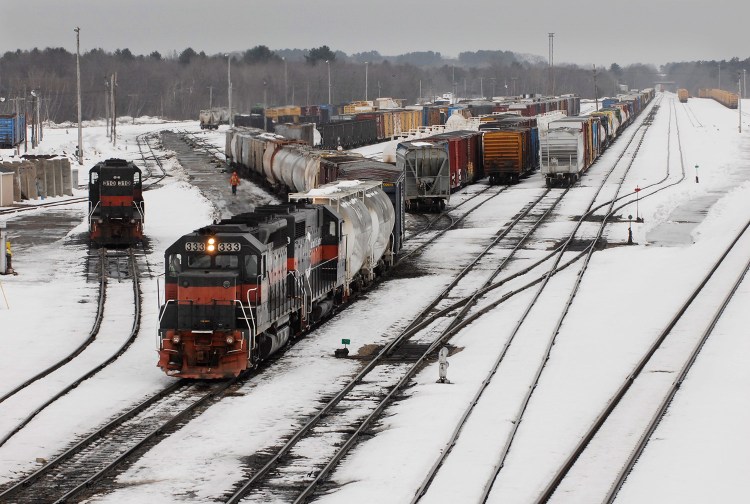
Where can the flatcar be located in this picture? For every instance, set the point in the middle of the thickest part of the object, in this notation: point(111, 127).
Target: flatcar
point(237, 291)
point(116, 208)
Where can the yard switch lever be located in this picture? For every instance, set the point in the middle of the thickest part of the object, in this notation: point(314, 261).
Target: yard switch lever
point(342, 352)
point(443, 362)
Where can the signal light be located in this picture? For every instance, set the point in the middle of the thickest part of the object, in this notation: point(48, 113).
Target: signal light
point(230, 339)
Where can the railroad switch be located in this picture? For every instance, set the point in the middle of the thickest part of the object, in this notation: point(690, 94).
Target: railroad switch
point(443, 365)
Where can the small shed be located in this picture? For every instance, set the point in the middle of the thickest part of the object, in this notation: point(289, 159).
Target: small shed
point(6, 187)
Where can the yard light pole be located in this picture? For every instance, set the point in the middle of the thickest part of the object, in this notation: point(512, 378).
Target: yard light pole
point(366, 65)
point(329, 81)
point(78, 83)
point(286, 87)
point(229, 87)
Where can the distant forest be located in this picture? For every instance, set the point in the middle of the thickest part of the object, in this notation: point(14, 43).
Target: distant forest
point(178, 85)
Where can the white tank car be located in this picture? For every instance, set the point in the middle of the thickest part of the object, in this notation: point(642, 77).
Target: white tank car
point(368, 221)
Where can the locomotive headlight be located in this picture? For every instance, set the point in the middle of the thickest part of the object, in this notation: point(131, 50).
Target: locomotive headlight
point(211, 245)
point(176, 338)
point(230, 339)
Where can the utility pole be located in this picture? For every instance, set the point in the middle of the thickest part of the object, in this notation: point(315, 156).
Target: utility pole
point(551, 64)
point(286, 86)
point(367, 63)
point(481, 88)
point(744, 84)
point(210, 97)
point(739, 101)
point(78, 81)
point(596, 94)
point(106, 104)
point(329, 81)
point(229, 87)
point(719, 74)
point(114, 109)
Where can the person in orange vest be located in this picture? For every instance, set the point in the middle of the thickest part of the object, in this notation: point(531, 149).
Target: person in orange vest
point(8, 257)
point(234, 181)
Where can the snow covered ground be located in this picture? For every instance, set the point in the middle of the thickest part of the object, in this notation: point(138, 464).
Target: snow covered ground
point(700, 453)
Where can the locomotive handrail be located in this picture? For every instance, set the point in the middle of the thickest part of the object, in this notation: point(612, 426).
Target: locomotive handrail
point(138, 208)
point(252, 317)
point(91, 210)
point(161, 315)
point(252, 333)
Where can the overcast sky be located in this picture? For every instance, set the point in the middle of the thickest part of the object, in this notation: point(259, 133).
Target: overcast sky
point(586, 31)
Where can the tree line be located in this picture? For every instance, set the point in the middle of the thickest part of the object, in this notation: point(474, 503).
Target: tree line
point(178, 85)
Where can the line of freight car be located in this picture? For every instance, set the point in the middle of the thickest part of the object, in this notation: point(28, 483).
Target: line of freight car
point(290, 166)
point(726, 98)
point(573, 144)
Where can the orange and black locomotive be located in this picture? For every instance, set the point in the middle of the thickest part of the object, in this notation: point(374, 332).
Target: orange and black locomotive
point(237, 291)
point(116, 207)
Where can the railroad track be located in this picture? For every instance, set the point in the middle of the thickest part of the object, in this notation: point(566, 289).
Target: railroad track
point(385, 376)
point(152, 163)
point(526, 388)
point(199, 143)
point(110, 336)
point(20, 208)
point(431, 220)
point(607, 416)
point(402, 355)
point(84, 467)
point(694, 121)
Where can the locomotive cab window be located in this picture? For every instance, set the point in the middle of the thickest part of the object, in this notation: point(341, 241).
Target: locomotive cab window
point(251, 266)
point(199, 261)
point(227, 261)
point(175, 264)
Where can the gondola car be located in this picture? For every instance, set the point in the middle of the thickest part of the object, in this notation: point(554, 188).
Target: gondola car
point(116, 209)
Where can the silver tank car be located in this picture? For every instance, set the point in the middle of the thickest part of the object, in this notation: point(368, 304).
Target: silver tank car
point(369, 219)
